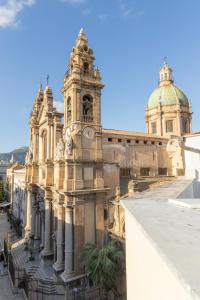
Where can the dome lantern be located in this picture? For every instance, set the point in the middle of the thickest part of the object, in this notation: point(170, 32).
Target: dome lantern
point(166, 74)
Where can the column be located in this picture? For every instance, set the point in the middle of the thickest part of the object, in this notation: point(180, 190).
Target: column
point(47, 242)
point(68, 243)
point(42, 231)
point(29, 212)
point(33, 220)
point(179, 125)
point(59, 264)
point(37, 224)
point(52, 143)
point(49, 142)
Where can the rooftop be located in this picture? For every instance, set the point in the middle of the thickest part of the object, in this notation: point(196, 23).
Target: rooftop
point(131, 133)
point(174, 230)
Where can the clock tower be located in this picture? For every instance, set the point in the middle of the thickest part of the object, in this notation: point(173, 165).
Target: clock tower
point(83, 181)
point(82, 118)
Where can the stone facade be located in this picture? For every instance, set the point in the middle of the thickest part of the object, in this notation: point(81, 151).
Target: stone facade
point(74, 169)
point(66, 193)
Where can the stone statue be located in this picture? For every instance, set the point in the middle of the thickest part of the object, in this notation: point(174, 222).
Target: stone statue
point(87, 107)
point(29, 156)
point(60, 150)
point(69, 146)
point(117, 194)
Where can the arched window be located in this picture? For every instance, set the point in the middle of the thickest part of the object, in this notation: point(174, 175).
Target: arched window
point(85, 68)
point(169, 126)
point(186, 125)
point(69, 109)
point(87, 108)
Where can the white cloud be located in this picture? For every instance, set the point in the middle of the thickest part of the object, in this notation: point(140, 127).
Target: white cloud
point(59, 106)
point(9, 9)
point(124, 9)
point(87, 11)
point(74, 1)
point(128, 11)
point(103, 17)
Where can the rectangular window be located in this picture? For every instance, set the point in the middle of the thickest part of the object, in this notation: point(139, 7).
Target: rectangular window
point(125, 172)
point(119, 140)
point(185, 125)
point(169, 126)
point(109, 139)
point(162, 171)
point(128, 141)
point(153, 127)
point(144, 171)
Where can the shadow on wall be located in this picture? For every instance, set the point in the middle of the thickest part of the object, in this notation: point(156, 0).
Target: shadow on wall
point(193, 189)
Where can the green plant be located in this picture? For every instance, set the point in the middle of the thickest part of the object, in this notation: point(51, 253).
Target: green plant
point(2, 191)
point(103, 265)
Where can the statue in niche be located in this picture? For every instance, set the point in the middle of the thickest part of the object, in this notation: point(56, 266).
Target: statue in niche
point(60, 150)
point(69, 144)
point(87, 106)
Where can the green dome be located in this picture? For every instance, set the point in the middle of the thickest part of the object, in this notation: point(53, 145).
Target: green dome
point(167, 95)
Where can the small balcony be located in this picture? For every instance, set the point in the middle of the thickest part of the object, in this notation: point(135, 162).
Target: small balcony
point(87, 119)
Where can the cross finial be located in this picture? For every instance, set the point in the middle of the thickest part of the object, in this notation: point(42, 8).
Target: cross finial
point(47, 79)
point(165, 60)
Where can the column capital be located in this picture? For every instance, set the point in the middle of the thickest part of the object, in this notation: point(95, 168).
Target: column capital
point(29, 187)
point(67, 207)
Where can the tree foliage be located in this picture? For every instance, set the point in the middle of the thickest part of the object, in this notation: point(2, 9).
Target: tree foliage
point(102, 264)
point(2, 192)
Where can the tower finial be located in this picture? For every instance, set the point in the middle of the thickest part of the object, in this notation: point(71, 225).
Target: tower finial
point(81, 31)
point(47, 79)
point(40, 88)
point(165, 60)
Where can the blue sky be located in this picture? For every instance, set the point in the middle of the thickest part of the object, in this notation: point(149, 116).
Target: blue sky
point(129, 38)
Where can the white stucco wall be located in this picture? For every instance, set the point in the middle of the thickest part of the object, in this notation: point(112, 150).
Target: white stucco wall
point(149, 277)
point(192, 159)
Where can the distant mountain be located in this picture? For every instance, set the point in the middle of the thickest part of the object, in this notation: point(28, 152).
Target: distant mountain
point(19, 155)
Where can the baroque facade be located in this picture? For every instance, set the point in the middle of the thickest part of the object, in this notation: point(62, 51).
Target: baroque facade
point(74, 168)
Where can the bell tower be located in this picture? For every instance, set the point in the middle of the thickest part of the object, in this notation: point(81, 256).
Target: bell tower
point(83, 181)
point(82, 86)
point(82, 117)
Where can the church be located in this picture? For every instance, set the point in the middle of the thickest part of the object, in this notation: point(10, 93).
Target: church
point(75, 168)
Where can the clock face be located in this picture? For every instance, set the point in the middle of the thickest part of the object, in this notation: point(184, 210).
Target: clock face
point(88, 132)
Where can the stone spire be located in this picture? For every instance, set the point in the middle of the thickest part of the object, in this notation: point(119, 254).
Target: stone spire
point(40, 94)
point(48, 98)
point(166, 77)
point(82, 40)
point(82, 59)
point(12, 160)
point(38, 100)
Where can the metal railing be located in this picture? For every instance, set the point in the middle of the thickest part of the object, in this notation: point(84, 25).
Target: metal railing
point(87, 119)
